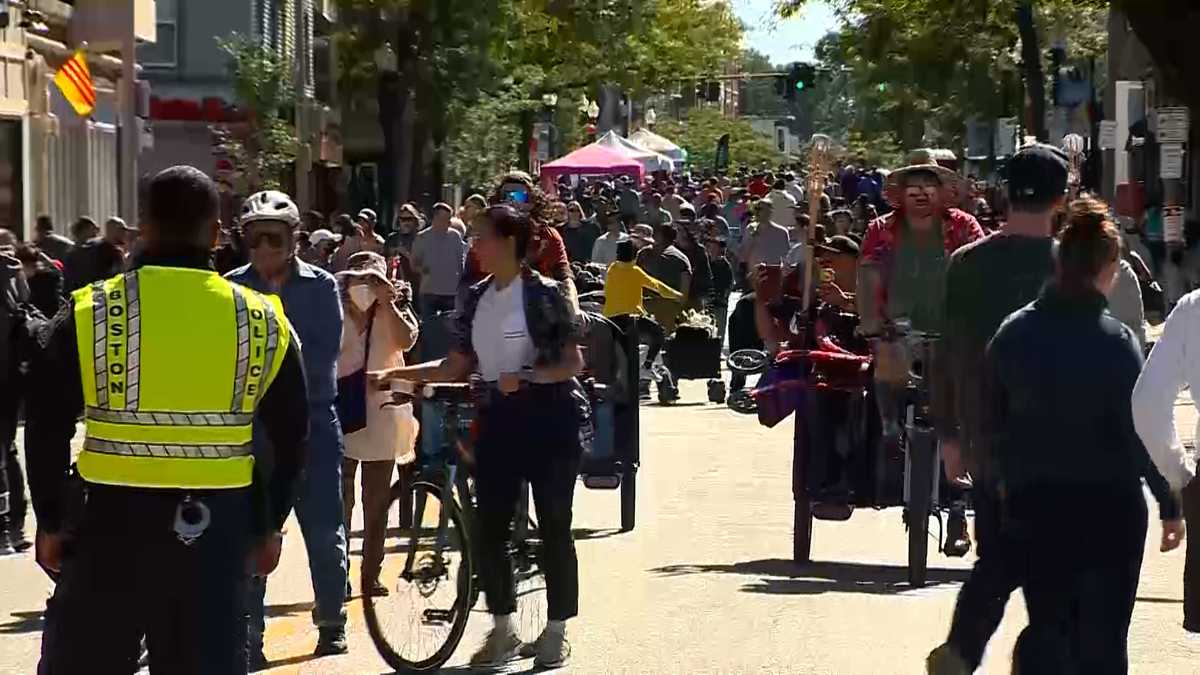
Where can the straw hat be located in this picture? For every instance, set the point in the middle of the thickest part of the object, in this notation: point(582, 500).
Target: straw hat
point(954, 186)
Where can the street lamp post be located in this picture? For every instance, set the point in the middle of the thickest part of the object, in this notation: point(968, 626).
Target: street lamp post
point(387, 67)
point(550, 103)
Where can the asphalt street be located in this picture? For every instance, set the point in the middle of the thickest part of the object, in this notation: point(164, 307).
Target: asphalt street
point(705, 583)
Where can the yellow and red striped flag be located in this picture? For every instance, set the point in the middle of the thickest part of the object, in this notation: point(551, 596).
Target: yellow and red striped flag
point(74, 80)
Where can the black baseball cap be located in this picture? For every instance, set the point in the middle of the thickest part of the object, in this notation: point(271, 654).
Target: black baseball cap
point(841, 244)
point(1037, 174)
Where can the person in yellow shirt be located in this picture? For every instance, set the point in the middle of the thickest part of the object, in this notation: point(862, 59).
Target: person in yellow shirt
point(623, 295)
point(625, 282)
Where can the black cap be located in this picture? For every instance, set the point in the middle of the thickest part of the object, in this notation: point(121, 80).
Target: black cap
point(841, 244)
point(1037, 173)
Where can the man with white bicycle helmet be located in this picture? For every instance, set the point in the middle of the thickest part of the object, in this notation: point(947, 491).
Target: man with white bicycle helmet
point(269, 222)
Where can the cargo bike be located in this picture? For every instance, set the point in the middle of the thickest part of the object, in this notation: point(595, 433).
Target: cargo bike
point(839, 433)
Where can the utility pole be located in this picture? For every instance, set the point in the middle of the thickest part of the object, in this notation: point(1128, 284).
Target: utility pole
point(305, 109)
point(130, 129)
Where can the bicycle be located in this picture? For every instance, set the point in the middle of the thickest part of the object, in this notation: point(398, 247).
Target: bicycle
point(439, 571)
point(922, 450)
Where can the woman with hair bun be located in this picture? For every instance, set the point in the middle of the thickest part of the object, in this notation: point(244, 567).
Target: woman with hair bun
point(1059, 423)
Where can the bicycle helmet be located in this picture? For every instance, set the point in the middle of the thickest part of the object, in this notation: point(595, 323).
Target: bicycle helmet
point(270, 205)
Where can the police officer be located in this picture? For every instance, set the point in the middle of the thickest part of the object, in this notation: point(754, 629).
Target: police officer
point(168, 364)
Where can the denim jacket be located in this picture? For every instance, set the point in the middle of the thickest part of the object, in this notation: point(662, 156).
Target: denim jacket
point(552, 320)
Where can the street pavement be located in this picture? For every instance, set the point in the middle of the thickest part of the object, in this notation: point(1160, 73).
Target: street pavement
point(705, 583)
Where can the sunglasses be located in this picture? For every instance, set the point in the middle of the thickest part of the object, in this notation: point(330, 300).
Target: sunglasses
point(256, 239)
point(518, 196)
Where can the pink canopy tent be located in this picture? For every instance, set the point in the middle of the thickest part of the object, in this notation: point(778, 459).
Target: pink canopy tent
point(592, 159)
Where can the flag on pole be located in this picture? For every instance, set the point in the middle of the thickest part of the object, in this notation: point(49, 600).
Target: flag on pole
point(74, 80)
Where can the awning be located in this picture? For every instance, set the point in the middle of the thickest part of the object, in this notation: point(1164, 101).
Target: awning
point(652, 161)
point(593, 159)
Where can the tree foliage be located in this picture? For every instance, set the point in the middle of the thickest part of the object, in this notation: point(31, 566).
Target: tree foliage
point(699, 132)
point(919, 69)
point(262, 83)
point(476, 70)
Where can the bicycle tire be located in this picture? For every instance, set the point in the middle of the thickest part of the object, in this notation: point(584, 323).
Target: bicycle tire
point(454, 618)
point(921, 450)
point(748, 361)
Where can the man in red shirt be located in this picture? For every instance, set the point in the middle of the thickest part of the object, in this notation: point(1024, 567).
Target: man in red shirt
point(759, 186)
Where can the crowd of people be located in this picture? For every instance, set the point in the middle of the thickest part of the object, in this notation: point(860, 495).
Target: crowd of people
point(1034, 293)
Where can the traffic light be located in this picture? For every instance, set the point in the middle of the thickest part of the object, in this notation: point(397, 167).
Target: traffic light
point(701, 90)
point(801, 77)
point(713, 94)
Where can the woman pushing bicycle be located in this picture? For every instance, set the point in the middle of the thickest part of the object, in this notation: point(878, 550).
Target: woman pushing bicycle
point(519, 331)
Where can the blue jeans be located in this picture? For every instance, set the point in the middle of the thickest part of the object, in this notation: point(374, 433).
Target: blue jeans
point(319, 511)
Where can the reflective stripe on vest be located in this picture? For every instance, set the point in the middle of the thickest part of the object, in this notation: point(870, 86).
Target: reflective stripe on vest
point(175, 362)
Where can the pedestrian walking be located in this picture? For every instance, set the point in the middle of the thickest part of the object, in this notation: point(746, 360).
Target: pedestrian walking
point(439, 256)
point(380, 326)
point(1169, 370)
point(154, 535)
point(99, 258)
point(580, 234)
point(520, 332)
point(54, 245)
point(269, 221)
point(985, 282)
point(1062, 433)
point(722, 274)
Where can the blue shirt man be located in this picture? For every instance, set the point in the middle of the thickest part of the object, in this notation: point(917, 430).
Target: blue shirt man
point(313, 305)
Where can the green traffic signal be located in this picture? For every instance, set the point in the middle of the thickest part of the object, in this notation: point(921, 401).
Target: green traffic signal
point(800, 85)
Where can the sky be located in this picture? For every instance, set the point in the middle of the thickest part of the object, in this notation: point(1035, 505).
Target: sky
point(785, 41)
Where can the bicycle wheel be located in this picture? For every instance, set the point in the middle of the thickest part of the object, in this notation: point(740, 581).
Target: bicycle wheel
point(530, 583)
point(529, 578)
point(429, 572)
point(920, 497)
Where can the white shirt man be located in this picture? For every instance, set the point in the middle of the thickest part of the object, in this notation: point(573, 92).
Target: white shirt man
point(794, 189)
point(1171, 367)
point(783, 206)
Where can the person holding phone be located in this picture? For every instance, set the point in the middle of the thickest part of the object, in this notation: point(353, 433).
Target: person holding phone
point(380, 326)
point(521, 333)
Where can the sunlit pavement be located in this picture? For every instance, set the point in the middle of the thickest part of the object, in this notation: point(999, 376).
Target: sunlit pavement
point(705, 583)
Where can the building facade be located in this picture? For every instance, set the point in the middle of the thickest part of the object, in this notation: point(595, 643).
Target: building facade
point(52, 161)
point(192, 88)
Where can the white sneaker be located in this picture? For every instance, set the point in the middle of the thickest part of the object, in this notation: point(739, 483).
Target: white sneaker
point(500, 647)
point(550, 650)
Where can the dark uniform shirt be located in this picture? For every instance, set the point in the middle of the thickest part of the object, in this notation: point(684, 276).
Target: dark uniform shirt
point(55, 403)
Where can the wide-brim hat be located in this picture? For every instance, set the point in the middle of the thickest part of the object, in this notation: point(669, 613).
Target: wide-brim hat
point(954, 186)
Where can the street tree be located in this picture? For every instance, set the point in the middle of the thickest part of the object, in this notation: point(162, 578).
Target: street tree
point(463, 66)
point(700, 130)
point(919, 69)
point(264, 149)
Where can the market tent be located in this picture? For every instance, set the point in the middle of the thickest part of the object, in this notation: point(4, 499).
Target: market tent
point(593, 159)
point(652, 141)
point(649, 159)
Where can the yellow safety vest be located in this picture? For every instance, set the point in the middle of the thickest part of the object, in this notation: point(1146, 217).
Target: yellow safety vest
point(174, 363)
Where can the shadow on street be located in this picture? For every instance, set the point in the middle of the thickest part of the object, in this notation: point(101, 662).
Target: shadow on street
point(784, 577)
point(23, 622)
point(585, 533)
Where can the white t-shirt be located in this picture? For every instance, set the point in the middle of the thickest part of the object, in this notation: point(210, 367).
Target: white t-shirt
point(499, 332)
point(783, 208)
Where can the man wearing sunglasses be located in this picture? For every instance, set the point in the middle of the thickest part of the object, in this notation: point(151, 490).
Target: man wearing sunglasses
point(311, 303)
